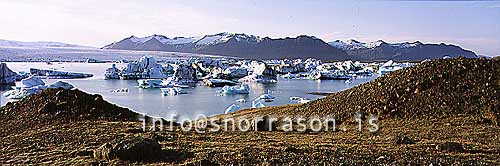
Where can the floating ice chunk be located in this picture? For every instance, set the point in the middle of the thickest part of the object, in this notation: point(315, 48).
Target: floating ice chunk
point(23, 91)
point(150, 83)
point(172, 91)
point(185, 74)
point(31, 81)
point(266, 97)
point(241, 89)
point(54, 74)
point(303, 100)
point(236, 72)
point(257, 104)
point(112, 73)
point(146, 68)
point(232, 108)
point(61, 84)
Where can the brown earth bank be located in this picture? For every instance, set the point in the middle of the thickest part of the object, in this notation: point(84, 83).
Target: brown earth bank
point(439, 112)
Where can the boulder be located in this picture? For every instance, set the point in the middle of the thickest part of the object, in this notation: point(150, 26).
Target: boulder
point(136, 149)
point(7, 76)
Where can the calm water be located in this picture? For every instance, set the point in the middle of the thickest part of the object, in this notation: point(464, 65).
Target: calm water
point(199, 100)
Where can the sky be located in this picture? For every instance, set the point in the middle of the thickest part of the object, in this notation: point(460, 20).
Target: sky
point(474, 25)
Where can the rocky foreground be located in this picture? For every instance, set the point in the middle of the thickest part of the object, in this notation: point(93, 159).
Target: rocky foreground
point(440, 112)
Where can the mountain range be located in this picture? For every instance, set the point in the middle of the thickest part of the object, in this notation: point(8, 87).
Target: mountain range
point(255, 47)
point(12, 43)
point(235, 45)
point(381, 50)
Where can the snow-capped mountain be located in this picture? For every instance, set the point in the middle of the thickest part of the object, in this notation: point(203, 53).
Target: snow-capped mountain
point(11, 43)
point(236, 45)
point(381, 50)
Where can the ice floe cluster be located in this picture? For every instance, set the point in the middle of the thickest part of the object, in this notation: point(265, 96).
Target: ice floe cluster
point(33, 85)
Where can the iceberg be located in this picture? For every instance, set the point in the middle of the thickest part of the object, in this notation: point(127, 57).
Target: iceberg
point(32, 86)
point(22, 75)
point(7, 76)
point(150, 83)
point(236, 72)
point(232, 108)
point(266, 97)
point(241, 89)
point(329, 75)
point(388, 67)
point(54, 74)
point(218, 82)
point(112, 73)
point(257, 104)
point(60, 84)
point(31, 81)
point(146, 68)
point(260, 74)
point(303, 100)
point(172, 91)
point(185, 74)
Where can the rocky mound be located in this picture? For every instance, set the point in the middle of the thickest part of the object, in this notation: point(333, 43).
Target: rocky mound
point(61, 105)
point(439, 88)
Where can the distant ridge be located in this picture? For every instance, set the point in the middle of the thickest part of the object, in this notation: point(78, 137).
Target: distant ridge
point(381, 50)
point(12, 43)
point(255, 47)
point(236, 45)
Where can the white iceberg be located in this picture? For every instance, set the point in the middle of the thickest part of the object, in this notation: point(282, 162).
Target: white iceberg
point(257, 104)
point(172, 91)
point(260, 74)
point(60, 84)
point(266, 97)
point(303, 100)
point(112, 73)
point(55, 74)
point(150, 83)
point(388, 67)
point(238, 89)
point(146, 68)
point(27, 90)
point(236, 72)
point(31, 81)
point(232, 108)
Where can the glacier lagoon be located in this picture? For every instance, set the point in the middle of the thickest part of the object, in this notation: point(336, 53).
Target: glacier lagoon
point(199, 100)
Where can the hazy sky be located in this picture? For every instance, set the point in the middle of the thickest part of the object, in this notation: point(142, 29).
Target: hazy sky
point(471, 24)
